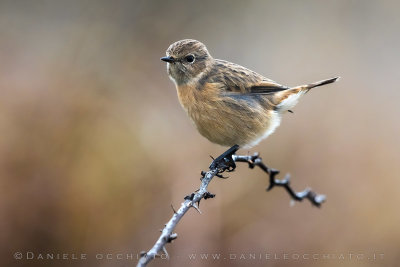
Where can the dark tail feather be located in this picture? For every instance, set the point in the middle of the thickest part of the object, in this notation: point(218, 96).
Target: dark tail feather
point(320, 83)
point(297, 91)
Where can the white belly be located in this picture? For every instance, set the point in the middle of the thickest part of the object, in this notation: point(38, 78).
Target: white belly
point(275, 120)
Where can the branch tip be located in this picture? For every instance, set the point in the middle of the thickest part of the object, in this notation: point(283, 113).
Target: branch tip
point(255, 160)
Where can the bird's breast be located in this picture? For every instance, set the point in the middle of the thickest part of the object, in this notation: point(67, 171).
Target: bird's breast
point(195, 102)
point(225, 120)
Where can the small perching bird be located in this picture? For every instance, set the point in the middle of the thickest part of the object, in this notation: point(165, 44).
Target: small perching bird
point(229, 104)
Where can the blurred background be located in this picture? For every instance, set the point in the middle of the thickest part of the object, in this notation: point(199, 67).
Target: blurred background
point(95, 147)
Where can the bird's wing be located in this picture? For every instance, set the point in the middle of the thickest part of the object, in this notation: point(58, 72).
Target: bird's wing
point(266, 88)
point(235, 79)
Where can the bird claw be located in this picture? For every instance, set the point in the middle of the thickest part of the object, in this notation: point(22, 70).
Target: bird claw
point(221, 176)
point(225, 161)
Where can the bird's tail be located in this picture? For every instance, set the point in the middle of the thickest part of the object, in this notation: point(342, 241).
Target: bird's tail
point(287, 99)
point(319, 83)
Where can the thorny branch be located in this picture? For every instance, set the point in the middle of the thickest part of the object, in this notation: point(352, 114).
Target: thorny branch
point(225, 162)
point(255, 160)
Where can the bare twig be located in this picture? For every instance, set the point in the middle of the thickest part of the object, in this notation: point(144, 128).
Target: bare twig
point(255, 160)
point(225, 162)
point(167, 234)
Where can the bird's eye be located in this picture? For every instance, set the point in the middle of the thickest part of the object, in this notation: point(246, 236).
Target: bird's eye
point(189, 58)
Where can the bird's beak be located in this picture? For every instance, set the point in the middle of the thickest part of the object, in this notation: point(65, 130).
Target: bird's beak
point(168, 59)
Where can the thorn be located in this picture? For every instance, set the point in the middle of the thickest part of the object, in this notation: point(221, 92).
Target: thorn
point(286, 180)
point(271, 185)
point(172, 237)
point(212, 157)
point(165, 252)
point(194, 205)
point(290, 111)
point(273, 172)
point(173, 208)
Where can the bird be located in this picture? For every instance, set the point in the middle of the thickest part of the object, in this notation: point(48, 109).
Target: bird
point(229, 104)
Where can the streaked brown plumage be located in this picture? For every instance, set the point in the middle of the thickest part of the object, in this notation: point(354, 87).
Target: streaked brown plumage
point(228, 103)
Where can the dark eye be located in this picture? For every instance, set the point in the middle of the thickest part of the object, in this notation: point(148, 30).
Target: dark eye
point(189, 58)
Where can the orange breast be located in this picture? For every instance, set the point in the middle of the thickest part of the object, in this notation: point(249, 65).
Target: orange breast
point(223, 120)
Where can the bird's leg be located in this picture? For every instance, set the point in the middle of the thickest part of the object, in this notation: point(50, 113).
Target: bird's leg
point(225, 161)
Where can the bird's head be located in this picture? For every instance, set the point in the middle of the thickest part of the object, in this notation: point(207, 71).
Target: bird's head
point(186, 59)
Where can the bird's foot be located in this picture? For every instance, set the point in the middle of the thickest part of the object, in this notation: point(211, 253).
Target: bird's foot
point(225, 161)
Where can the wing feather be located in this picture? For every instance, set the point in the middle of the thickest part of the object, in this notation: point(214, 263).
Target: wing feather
point(235, 79)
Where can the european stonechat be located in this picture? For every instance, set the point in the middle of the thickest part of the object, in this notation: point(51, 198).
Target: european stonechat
point(229, 104)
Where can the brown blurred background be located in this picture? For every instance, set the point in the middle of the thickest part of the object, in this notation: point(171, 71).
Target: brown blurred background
point(94, 146)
